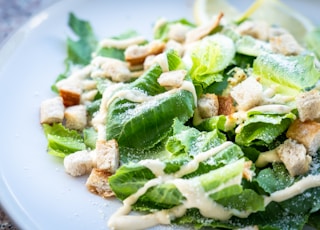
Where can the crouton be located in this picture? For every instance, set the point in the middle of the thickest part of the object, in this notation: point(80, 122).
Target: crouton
point(176, 46)
point(226, 105)
point(208, 105)
point(107, 155)
point(203, 30)
point(52, 111)
point(285, 44)
point(136, 55)
point(76, 117)
point(256, 29)
point(97, 183)
point(247, 94)
point(294, 157)
point(70, 89)
point(308, 105)
point(115, 69)
point(79, 163)
point(71, 95)
point(177, 32)
point(172, 79)
point(306, 133)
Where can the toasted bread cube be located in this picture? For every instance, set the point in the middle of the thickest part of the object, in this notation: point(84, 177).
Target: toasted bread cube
point(285, 44)
point(76, 117)
point(71, 95)
point(172, 79)
point(136, 55)
point(107, 155)
point(203, 30)
point(52, 111)
point(308, 105)
point(208, 105)
point(306, 133)
point(97, 183)
point(256, 29)
point(226, 105)
point(294, 156)
point(247, 94)
point(112, 68)
point(78, 163)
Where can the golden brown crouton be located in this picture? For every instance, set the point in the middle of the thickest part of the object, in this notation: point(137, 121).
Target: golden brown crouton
point(76, 117)
point(306, 133)
point(208, 105)
point(203, 30)
point(52, 111)
point(294, 156)
point(226, 105)
point(70, 96)
point(308, 105)
point(136, 55)
point(107, 155)
point(97, 183)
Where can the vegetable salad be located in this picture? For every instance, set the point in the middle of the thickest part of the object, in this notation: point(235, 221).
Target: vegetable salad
point(214, 125)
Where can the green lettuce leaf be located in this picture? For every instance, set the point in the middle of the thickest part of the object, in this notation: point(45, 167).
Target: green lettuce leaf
point(162, 31)
point(113, 52)
point(143, 125)
point(79, 51)
point(291, 74)
point(211, 56)
point(313, 41)
point(263, 129)
point(62, 141)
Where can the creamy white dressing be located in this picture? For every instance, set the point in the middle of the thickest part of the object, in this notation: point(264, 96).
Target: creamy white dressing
point(273, 109)
point(123, 43)
point(193, 165)
point(195, 196)
point(267, 157)
point(99, 120)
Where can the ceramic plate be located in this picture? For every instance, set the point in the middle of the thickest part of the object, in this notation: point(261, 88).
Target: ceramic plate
point(35, 190)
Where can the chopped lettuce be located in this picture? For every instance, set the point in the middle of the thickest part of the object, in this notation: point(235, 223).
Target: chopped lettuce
point(79, 51)
point(209, 57)
point(291, 74)
point(151, 119)
point(62, 141)
point(313, 40)
point(263, 129)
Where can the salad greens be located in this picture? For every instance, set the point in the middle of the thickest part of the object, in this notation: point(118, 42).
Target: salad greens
point(190, 168)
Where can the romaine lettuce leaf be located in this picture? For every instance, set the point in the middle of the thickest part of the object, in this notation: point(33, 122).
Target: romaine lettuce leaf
point(209, 57)
point(143, 125)
point(263, 129)
point(62, 141)
point(162, 31)
point(291, 74)
point(313, 40)
point(79, 51)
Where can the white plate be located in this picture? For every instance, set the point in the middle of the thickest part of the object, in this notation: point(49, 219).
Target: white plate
point(34, 189)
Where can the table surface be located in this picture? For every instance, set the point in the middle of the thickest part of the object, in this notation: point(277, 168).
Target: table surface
point(13, 13)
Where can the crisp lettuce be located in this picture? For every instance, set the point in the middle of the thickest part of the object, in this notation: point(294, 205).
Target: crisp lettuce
point(79, 51)
point(291, 74)
point(210, 57)
point(62, 141)
point(263, 129)
point(313, 40)
point(143, 125)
